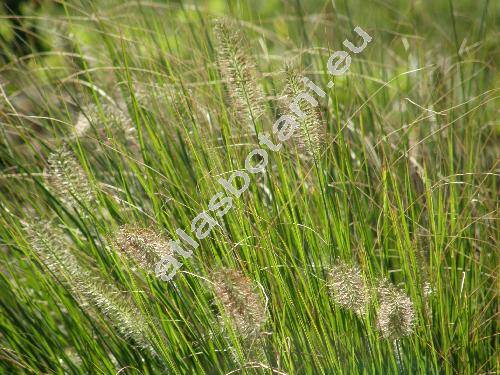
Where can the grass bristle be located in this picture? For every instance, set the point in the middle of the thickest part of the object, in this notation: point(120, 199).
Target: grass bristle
point(348, 288)
point(239, 71)
point(144, 246)
point(396, 314)
point(67, 179)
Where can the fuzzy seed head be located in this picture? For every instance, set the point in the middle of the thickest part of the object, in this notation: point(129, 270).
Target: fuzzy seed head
point(427, 289)
point(49, 243)
point(110, 113)
point(118, 122)
point(144, 246)
point(239, 70)
point(310, 134)
point(242, 305)
point(396, 316)
point(67, 179)
point(120, 310)
point(88, 288)
point(82, 125)
point(347, 287)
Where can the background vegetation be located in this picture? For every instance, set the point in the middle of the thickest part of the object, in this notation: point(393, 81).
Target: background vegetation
point(374, 253)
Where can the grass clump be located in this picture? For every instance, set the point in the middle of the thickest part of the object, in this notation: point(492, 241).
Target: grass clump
point(367, 245)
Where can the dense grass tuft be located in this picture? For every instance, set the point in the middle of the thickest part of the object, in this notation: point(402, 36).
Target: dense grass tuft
point(368, 245)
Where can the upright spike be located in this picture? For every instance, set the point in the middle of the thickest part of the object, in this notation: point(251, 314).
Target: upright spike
point(239, 70)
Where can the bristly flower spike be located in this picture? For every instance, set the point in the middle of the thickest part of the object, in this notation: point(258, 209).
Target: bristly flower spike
point(67, 179)
point(144, 246)
point(241, 303)
point(242, 308)
point(239, 71)
point(347, 287)
point(310, 134)
point(88, 288)
point(396, 315)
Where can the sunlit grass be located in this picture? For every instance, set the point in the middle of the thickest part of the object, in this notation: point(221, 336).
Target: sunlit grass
point(399, 198)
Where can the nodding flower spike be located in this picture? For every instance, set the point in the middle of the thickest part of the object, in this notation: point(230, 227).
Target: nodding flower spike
point(88, 287)
point(242, 305)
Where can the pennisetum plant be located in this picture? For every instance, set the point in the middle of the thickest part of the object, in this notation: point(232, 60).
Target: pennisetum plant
point(144, 246)
point(238, 69)
point(309, 136)
point(89, 289)
point(242, 309)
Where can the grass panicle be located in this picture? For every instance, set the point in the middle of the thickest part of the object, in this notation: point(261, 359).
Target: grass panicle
point(118, 307)
point(144, 246)
point(242, 305)
point(396, 314)
point(348, 288)
point(239, 71)
point(106, 116)
point(89, 289)
point(67, 179)
point(50, 245)
point(310, 135)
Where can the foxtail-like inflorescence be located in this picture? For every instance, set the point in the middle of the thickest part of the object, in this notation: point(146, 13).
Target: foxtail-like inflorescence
point(48, 242)
point(144, 246)
point(67, 179)
point(88, 288)
point(108, 113)
point(395, 315)
point(242, 307)
point(239, 71)
point(347, 287)
point(308, 138)
point(117, 307)
point(119, 122)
